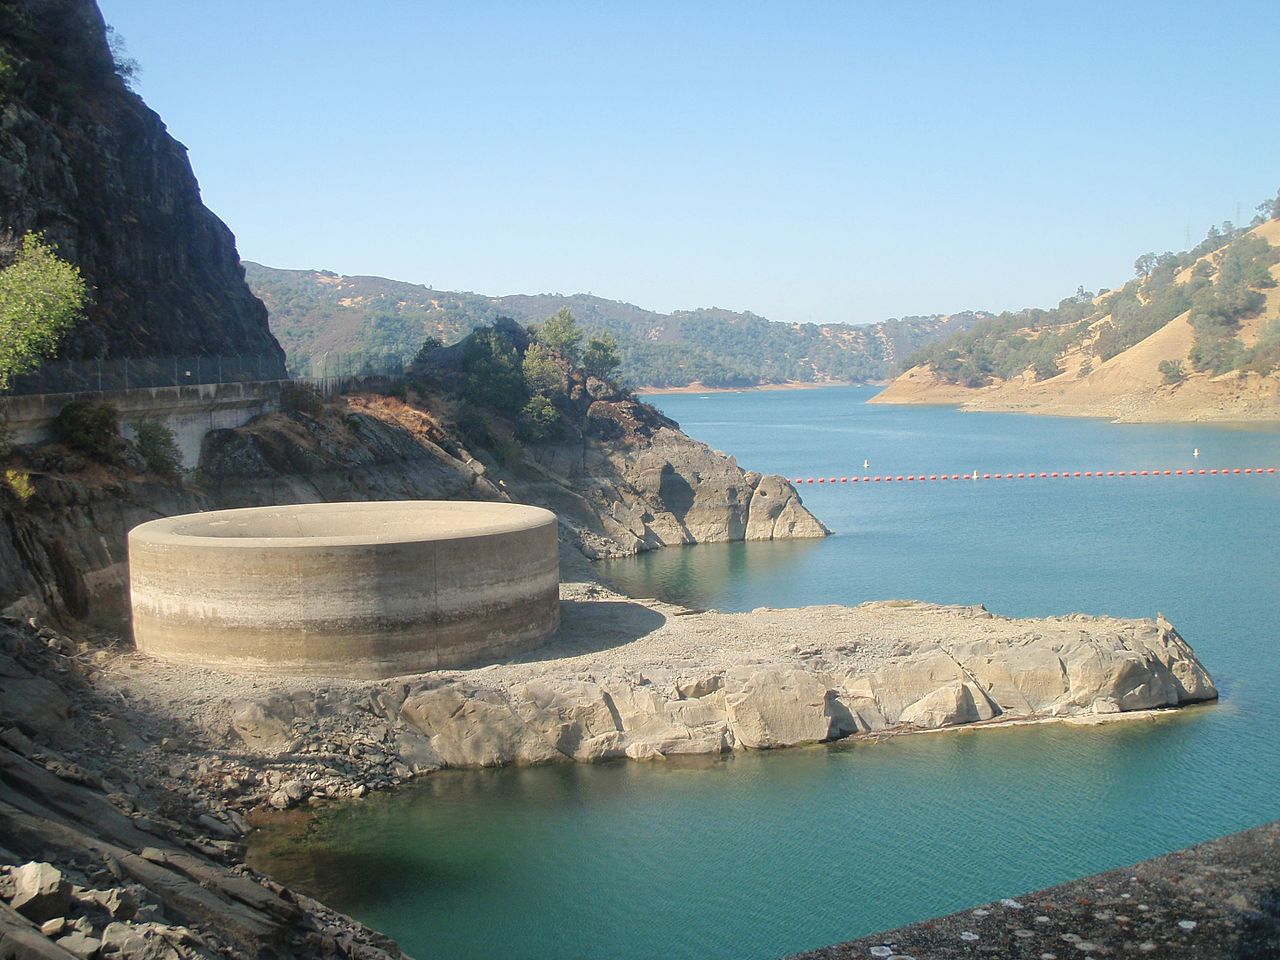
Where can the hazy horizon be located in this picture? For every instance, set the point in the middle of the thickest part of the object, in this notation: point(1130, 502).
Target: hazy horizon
point(812, 163)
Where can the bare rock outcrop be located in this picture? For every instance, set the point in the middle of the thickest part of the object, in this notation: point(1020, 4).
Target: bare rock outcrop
point(644, 680)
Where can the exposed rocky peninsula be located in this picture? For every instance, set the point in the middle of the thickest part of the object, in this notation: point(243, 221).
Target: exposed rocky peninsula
point(127, 784)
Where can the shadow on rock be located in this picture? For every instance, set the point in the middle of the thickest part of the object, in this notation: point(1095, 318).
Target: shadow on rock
point(588, 626)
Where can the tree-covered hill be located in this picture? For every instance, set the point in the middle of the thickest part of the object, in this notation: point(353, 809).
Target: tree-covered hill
point(314, 313)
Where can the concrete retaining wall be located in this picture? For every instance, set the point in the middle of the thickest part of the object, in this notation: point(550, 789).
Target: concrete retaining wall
point(189, 411)
point(346, 589)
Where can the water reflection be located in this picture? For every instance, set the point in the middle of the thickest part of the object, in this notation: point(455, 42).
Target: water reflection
point(700, 576)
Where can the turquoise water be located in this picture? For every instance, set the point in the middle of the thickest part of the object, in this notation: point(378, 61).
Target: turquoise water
point(758, 855)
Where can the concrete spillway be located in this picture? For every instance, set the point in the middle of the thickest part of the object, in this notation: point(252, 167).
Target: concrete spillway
point(346, 589)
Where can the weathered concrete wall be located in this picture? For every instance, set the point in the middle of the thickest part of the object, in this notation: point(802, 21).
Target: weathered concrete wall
point(190, 411)
point(346, 589)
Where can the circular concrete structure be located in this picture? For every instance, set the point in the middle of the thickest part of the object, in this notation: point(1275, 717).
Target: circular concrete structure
point(346, 589)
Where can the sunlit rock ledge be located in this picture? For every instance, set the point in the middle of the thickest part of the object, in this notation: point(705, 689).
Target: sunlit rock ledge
point(646, 680)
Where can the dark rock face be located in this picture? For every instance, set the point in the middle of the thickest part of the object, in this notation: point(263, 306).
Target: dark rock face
point(85, 161)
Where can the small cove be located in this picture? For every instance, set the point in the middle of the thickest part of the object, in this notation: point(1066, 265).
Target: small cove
point(756, 855)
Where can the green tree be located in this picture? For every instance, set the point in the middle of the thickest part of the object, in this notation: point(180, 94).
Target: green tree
point(1270, 209)
point(41, 297)
point(541, 373)
point(537, 417)
point(429, 346)
point(494, 377)
point(601, 358)
point(563, 335)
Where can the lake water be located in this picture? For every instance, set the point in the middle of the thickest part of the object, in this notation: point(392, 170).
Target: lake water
point(759, 855)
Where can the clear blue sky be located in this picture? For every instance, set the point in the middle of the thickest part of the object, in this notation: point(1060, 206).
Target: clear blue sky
point(808, 161)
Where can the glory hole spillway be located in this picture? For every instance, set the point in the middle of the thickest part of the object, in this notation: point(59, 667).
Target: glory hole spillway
point(362, 590)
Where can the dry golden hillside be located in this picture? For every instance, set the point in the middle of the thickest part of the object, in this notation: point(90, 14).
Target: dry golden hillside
point(1131, 385)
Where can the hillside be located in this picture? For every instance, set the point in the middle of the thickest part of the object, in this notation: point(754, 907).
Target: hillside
point(86, 162)
point(317, 312)
point(1194, 337)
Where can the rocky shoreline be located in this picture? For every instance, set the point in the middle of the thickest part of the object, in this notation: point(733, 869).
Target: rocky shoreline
point(136, 780)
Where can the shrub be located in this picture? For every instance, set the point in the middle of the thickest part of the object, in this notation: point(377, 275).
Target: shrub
point(537, 417)
point(159, 449)
point(89, 427)
point(301, 398)
point(509, 452)
point(1173, 371)
point(19, 483)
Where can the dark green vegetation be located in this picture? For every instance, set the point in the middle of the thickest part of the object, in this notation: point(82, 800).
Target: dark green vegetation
point(158, 449)
point(89, 427)
point(1228, 271)
point(511, 385)
point(314, 313)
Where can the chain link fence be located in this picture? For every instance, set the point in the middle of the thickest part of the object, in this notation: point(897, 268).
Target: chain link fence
point(332, 365)
point(128, 373)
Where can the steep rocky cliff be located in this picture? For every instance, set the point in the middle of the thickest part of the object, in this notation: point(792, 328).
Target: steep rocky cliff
point(623, 481)
point(85, 161)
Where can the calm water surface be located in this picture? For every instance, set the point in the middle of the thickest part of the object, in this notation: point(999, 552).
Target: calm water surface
point(758, 855)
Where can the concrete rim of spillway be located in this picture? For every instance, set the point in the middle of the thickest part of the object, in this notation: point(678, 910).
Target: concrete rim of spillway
point(362, 590)
point(446, 519)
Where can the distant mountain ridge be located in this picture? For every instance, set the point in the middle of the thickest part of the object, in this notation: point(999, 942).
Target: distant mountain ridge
point(314, 312)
